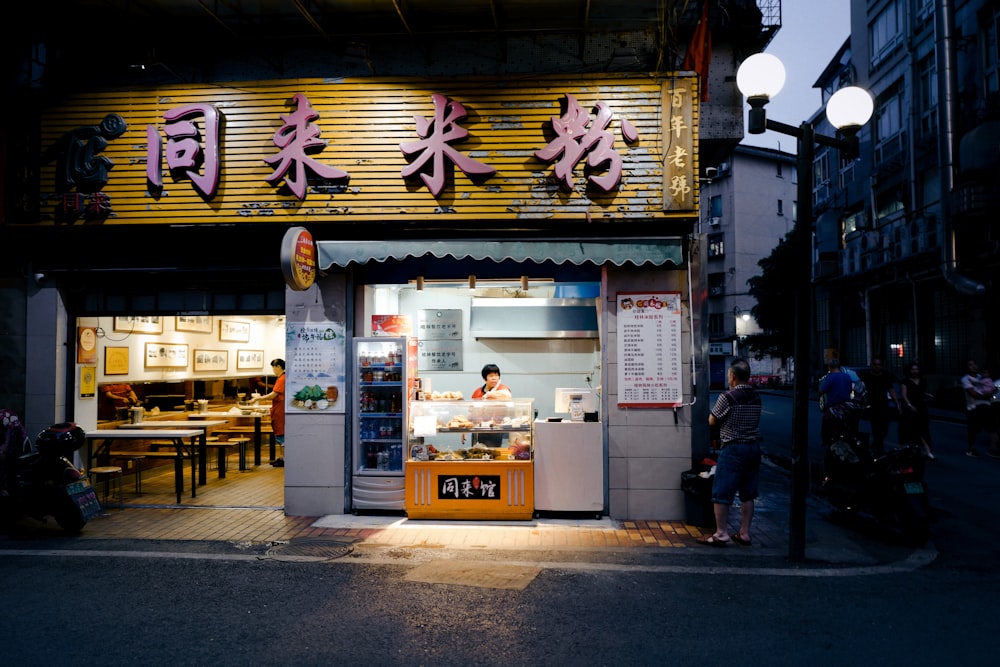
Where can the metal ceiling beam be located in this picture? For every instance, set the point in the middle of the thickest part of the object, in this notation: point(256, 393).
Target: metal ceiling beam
point(301, 6)
point(402, 15)
point(218, 19)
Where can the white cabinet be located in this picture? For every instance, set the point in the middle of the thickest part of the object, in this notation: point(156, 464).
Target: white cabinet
point(569, 466)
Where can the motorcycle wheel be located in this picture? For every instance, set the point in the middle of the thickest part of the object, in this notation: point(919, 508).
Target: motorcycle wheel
point(67, 514)
point(913, 519)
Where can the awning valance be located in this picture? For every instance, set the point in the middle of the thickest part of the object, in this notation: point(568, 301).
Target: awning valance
point(638, 252)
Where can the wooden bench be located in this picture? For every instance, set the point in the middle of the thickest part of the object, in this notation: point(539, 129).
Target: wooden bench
point(248, 431)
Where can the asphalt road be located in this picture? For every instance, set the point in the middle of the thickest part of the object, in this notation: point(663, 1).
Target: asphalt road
point(197, 603)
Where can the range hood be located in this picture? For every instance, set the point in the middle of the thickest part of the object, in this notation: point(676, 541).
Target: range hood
point(534, 318)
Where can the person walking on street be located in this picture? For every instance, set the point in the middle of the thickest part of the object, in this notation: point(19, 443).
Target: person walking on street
point(977, 405)
point(737, 415)
point(839, 415)
point(881, 386)
point(914, 421)
point(988, 384)
point(277, 398)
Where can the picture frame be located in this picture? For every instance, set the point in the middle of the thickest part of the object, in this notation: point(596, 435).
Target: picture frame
point(166, 355)
point(249, 359)
point(211, 360)
point(231, 331)
point(146, 324)
point(193, 323)
point(116, 361)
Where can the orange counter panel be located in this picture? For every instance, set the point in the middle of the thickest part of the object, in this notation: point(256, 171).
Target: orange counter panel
point(470, 490)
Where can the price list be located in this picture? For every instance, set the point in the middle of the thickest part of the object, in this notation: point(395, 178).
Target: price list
point(649, 349)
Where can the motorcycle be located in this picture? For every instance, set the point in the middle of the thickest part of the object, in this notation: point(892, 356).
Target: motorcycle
point(888, 489)
point(41, 481)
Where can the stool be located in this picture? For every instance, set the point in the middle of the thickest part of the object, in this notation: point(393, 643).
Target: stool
point(109, 472)
point(242, 442)
point(136, 460)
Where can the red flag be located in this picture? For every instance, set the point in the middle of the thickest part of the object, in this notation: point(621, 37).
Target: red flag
point(699, 52)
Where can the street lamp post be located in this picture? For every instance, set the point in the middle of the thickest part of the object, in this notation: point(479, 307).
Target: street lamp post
point(759, 78)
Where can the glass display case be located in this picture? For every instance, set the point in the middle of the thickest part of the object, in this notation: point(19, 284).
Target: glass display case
point(470, 460)
point(456, 430)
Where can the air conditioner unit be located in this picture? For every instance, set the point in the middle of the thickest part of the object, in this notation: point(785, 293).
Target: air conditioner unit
point(716, 291)
point(714, 221)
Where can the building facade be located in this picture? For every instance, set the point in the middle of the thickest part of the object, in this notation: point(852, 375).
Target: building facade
point(906, 240)
point(156, 171)
point(748, 206)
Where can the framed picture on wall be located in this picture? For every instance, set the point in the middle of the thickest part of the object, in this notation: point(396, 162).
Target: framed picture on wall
point(151, 324)
point(116, 361)
point(194, 323)
point(249, 359)
point(234, 332)
point(211, 360)
point(166, 355)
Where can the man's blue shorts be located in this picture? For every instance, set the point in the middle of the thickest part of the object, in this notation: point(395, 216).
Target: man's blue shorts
point(736, 469)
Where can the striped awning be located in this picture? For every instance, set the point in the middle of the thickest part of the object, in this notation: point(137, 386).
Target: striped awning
point(656, 252)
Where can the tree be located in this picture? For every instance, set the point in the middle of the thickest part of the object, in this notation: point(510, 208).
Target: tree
point(774, 293)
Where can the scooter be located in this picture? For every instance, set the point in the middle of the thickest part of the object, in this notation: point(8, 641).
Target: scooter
point(888, 490)
point(41, 481)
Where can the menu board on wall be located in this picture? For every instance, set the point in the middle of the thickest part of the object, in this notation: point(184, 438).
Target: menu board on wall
point(315, 347)
point(649, 349)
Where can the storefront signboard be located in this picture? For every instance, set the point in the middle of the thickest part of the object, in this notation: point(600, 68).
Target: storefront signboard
point(649, 349)
point(439, 324)
point(611, 147)
point(439, 355)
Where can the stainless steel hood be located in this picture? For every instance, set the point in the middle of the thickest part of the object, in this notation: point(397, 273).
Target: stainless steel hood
point(534, 318)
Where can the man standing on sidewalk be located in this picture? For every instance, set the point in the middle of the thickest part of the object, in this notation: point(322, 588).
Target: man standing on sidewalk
point(737, 414)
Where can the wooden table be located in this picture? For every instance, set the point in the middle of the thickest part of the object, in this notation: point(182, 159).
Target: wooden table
point(177, 436)
point(256, 417)
point(203, 424)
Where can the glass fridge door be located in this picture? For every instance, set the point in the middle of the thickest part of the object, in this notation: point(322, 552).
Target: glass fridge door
point(380, 421)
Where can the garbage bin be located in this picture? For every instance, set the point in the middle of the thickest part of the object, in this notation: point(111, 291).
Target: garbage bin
point(698, 506)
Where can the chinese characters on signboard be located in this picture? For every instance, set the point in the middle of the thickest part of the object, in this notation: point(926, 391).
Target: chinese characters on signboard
point(439, 355)
point(188, 143)
point(649, 349)
point(439, 324)
point(678, 147)
point(469, 487)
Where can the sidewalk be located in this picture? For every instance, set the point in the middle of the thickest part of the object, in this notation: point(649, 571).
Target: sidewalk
point(210, 519)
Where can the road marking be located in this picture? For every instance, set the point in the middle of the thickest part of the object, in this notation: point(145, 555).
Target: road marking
point(916, 560)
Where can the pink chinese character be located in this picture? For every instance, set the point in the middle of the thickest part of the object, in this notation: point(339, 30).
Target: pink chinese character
point(575, 137)
point(295, 138)
point(435, 147)
point(183, 151)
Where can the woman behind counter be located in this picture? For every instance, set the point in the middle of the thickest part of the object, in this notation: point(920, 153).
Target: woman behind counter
point(492, 389)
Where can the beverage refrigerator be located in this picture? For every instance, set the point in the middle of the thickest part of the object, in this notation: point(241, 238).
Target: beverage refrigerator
point(379, 424)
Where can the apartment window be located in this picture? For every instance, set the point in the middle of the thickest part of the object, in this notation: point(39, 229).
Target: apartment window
point(715, 206)
point(779, 174)
point(717, 284)
point(885, 33)
point(716, 324)
point(716, 245)
point(889, 124)
point(927, 95)
point(781, 207)
point(821, 176)
point(854, 222)
point(924, 11)
point(991, 54)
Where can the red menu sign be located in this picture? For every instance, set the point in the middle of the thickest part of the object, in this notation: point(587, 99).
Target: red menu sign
point(649, 349)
